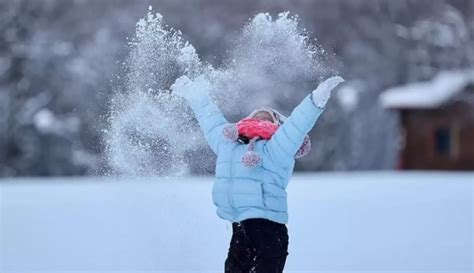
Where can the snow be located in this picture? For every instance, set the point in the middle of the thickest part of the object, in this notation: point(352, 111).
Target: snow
point(271, 58)
point(428, 94)
point(145, 117)
point(44, 120)
point(339, 222)
point(348, 97)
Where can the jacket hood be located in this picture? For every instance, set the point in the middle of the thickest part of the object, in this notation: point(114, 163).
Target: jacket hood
point(278, 118)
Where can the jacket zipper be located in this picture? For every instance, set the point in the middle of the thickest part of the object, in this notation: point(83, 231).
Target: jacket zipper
point(229, 190)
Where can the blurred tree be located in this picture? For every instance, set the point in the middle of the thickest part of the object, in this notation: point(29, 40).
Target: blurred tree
point(57, 58)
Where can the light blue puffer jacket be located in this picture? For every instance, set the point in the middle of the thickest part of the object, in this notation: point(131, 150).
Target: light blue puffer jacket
point(240, 192)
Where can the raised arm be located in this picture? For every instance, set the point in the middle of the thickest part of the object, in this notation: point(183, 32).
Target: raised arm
point(210, 118)
point(286, 141)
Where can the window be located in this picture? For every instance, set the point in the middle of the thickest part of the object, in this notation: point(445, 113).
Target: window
point(443, 141)
point(446, 141)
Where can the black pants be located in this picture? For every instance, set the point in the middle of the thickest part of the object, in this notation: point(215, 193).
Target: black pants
point(257, 246)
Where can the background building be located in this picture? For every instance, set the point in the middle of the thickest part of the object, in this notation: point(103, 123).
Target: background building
point(437, 121)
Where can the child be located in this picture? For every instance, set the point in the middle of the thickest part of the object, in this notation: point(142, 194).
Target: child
point(255, 159)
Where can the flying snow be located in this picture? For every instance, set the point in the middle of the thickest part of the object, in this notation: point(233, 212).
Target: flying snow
point(152, 132)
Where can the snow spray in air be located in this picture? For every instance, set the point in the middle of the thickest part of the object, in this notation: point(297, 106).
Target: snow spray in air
point(271, 60)
point(152, 132)
point(149, 129)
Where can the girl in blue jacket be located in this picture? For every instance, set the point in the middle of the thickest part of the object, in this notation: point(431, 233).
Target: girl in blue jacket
point(255, 159)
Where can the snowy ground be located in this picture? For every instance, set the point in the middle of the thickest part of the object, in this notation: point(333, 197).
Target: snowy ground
point(355, 222)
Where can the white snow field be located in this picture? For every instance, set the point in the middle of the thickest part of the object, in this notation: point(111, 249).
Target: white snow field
point(339, 222)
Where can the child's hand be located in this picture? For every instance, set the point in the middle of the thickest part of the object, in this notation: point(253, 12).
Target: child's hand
point(186, 88)
point(322, 94)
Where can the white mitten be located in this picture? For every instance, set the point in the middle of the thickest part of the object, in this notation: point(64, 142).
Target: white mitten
point(190, 89)
point(322, 93)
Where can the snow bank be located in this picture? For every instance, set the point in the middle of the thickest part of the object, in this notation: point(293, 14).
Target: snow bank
point(364, 222)
point(429, 94)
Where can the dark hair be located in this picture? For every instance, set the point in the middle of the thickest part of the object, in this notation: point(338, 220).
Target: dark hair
point(243, 139)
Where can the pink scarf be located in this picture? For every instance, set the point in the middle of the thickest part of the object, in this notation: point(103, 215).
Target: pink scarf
point(252, 128)
point(255, 129)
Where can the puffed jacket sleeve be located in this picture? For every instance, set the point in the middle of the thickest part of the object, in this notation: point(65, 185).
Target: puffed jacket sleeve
point(286, 141)
point(210, 118)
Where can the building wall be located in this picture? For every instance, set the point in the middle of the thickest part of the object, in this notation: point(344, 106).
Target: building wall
point(439, 139)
